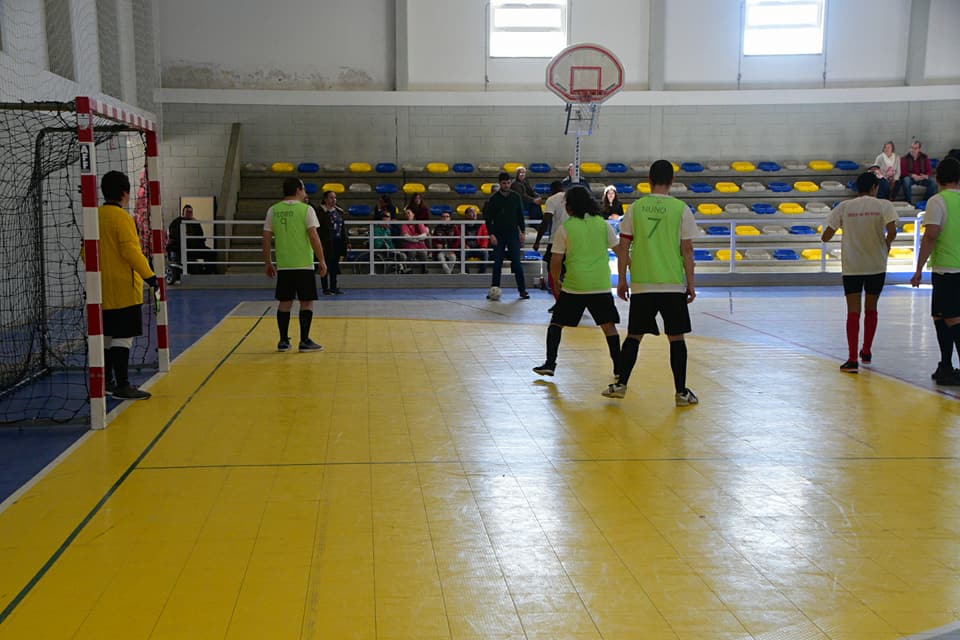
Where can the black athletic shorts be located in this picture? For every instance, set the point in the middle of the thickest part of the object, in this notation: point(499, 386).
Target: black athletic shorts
point(123, 323)
point(672, 307)
point(945, 302)
point(872, 284)
point(296, 283)
point(570, 308)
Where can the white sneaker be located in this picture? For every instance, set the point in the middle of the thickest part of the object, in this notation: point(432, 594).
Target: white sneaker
point(686, 398)
point(615, 390)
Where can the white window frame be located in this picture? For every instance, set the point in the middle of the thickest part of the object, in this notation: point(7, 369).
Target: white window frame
point(496, 48)
point(754, 9)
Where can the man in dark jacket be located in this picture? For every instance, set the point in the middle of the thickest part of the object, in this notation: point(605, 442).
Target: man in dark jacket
point(503, 215)
point(915, 168)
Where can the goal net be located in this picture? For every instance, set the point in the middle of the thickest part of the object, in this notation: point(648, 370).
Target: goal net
point(44, 375)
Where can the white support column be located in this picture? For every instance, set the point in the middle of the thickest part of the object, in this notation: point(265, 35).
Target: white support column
point(128, 54)
point(86, 44)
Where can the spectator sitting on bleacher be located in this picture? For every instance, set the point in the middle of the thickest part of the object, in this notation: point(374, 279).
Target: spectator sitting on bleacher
point(531, 199)
point(446, 243)
point(888, 170)
point(384, 249)
point(476, 238)
point(915, 168)
point(413, 240)
point(568, 181)
point(610, 208)
point(197, 248)
point(420, 210)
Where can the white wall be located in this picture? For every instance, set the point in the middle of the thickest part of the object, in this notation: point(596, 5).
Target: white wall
point(943, 39)
point(281, 44)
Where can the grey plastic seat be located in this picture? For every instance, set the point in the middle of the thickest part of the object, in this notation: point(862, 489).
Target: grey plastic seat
point(736, 208)
point(678, 187)
point(753, 186)
point(438, 187)
point(774, 230)
point(818, 208)
point(360, 187)
point(757, 254)
point(334, 168)
point(833, 185)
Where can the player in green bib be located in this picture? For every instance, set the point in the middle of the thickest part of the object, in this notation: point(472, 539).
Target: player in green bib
point(941, 244)
point(291, 225)
point(581, 243)
point(656, 242)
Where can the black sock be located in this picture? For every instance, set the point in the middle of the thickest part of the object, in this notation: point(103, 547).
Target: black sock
point(678, 364)
point(283, 323)
point(628, 358)
point(120, 357)
point(553, 342)
point(945, 340)
point(954, 332)
point(306, 317)
point(613, 346)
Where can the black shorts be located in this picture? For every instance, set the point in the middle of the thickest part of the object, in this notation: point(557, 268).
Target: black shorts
point(123, 323)
point(296, 283)
point(872, 284)
point(945, 301)
point(570, 308)
point(672, 307)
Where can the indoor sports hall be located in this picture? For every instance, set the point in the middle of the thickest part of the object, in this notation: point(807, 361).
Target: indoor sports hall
point(416, 478)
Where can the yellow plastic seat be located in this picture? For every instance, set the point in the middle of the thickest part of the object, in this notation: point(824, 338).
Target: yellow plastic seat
point(643, 187)
point(805, 185)
point(743, 166)
point(747, 230)
point(438, 167)
point(360, 167)
point(591, 167)
point(487, 187)
point(282, 167)
point(336, 187)
point(414, 187)
point(727, 187)
point(462, 208)
point(626, 207)
point(910, 227)
point(790, 207)
point(901, 252)
point(709, 209)
point(812, 254)
point(676, 167)
point(838, 232)
point(724, 255)
point(511, 167)
point(821, 165)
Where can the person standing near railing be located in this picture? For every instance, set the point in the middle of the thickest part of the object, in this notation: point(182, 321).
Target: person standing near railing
point(503, 215)
point(333, 236)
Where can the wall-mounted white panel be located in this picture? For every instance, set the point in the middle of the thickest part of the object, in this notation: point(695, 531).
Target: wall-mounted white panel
point(943, 41)
point(702, 44)
point(862, 47)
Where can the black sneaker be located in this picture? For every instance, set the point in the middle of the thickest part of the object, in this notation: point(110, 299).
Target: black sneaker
point(939, 371)
point(551, 309)
point(111, 386)
point(327, 292)
point(309, 345)
point(524, 295)
point(948, 379)
point(337, 292)
point(130, 392)
point(850, 366)
point(865, 357)
point(283, 345)
point(546, 369)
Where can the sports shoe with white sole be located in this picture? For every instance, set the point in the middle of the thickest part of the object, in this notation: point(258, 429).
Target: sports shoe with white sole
point(546, 369)
point(615, 390)
point(686, 398)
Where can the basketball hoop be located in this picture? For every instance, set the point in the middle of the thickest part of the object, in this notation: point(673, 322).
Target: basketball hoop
point(584, 76)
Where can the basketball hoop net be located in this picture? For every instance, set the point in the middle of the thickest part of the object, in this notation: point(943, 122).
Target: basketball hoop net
point(584, 76)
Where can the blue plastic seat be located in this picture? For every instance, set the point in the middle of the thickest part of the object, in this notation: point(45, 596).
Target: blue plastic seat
point(768, 165)
point(463, 167)
point(846, 165)
point(803, 230)
point(543, 188)
point(625, 187)
point(386, 167)
point(763, 208)
point(387, 188)
point(308, 167)
point(530, 254)
point(718, 230)
point(310, 187)
point(465, 189)
point(921, 205)
point(785, 254)
point(780, 187)
point(359, 210)
point(440, 209)
point(701, 187)
point(934, 162)
point(616, 167)
point(702, 255)
point(691, 167)
point(539, 167)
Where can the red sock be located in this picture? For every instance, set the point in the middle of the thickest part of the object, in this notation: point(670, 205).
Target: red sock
point(869, 330)
point(853, 335)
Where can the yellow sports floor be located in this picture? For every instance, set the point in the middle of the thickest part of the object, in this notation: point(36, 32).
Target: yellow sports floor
point(417, 480)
